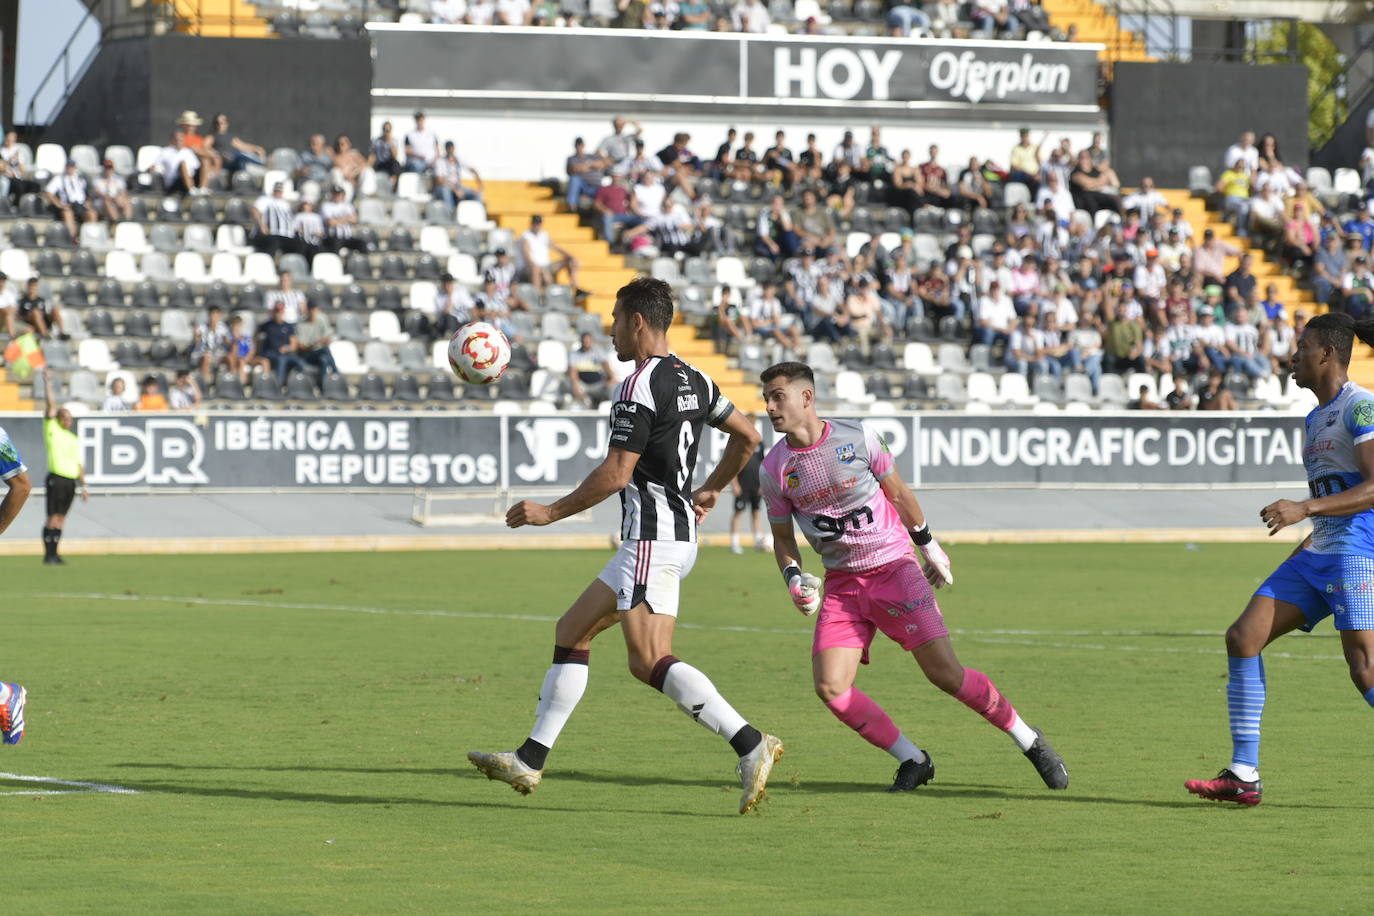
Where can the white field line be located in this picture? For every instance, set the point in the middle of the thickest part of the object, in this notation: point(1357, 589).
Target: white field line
point(994, 636)
point(73, 783)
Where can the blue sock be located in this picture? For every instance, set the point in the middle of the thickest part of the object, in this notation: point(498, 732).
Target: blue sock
point(1369, 696)
point(1245, 699)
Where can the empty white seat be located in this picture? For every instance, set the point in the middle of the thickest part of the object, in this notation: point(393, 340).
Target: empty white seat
point(820, 357)
point(346, 358)
point(258, 268)
point(411, 186)
point(50, 157)
point(1111, 390)
point(464, 269)
point(121, 157)
point(919, 358)
point(473, 213)
point(147, 155)
point(371, 212)
point(434, 240)
point(730, 272)
point(130, 237)
point(226, 268)
point(384, 326)
point(94, 354)
point(156, 267)
point(119, 265)
point(1014, 390)
point(379, 357)
point(422, 295)
point(1346, 181)
point(328, 268)
point(854, 242)
point(983, 387)
point(1079, 389)
point(230, 238)
point(176, 327)
point(407, 213)
point(199, 237)
point(95, 237)
point(849, 387)
point(84, 386)
point(556, 325)
point(439, 355)
point(190, 267)
point(552, 355)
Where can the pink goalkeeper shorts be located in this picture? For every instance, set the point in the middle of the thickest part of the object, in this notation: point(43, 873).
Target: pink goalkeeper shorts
point(894, 598)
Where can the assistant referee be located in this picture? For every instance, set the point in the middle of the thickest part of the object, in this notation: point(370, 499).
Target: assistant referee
point(64, 471)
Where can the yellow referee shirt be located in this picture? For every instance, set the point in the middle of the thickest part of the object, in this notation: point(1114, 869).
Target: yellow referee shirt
point(64, 450)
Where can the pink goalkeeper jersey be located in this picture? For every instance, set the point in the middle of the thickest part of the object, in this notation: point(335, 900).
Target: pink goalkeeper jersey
point(832, 490)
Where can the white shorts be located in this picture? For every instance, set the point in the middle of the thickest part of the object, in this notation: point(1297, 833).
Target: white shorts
point(649, 572)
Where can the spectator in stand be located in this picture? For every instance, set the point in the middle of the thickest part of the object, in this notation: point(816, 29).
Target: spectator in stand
point(1180, 339)
point(585, 171)
point(1362, 226)
point(313, 337)
point(1054, 193)
point(150, 396)
point(746, 160)
point(384, 158)
point(1266, 217)
point(339, 219)
point(13, 182)
point(1243, 349)
point(669, 232)
point(1086, 340)
point(176, 165)
point(612, 205)
point(1094, 187)
point(993, 18)
point(813, 225)
point(901, 304)
point(840, 196)
point(811, 160)
point(1210, 342)
point(905, 188)
point(1214, 395)
point(349, 164)
point(877, 161)
point(316, 162)
point(935, 180)
point(114, 401)
point(421, 146)
point(709, 235)
point(693, 15)
point(1299, 240)
point(447, 12)
point(1024, 353)
point(273, 223)
point(902, 19)
point(1243, 151)
point(995, 316)
point(1150, 278)
point(751, 16)
point(1234, 187)
point(210, 342)
point(514, 12)
point(290, 300)
point(769, 322)
point(536, 258)
point(234, 153)
point(243, 355)
point(453, 306)
point(185, 393)
point(1209, 260)
point(1125, 343)
point(589, 372)
point(618, 146)
point(448, 178)
point(481, 12)
point(1181, 397)
point(1146, 200)
point(1144, 400)
point(68, 195)
point(1357, 289)
point(204, 152)
point(31, 314)
point(732, 321)
point(1273, 308)
point(1279, 341)
point(308, 228)
point(779, 165)
point(111, 195)
point(277, 344)
point(724, 163)
point(1328, 269)
point(1025, 160)
point(974, 189)
point(1241, 284)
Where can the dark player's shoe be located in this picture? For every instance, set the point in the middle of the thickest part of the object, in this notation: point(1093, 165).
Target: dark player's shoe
point(913, 775)
point(1047, 762)
point(12, 715)
point(54, 561)
point(1227, 787)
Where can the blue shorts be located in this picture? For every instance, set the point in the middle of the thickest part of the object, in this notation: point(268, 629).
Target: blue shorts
point(1323, 585)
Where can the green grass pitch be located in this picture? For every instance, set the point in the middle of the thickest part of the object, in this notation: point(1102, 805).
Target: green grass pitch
point(295, 729)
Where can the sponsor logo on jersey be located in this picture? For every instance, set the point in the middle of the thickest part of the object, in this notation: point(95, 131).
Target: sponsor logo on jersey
point(793, 480)
point(845, 452)
point(687, 402)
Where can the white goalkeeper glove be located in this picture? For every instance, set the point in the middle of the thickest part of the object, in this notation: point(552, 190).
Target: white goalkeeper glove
point(804, 588)
point(934, 560)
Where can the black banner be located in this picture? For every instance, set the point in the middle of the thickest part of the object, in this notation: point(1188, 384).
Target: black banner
point(480, 63)
point(311, 451)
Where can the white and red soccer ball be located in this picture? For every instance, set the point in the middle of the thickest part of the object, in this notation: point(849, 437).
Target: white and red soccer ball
point(479, 353)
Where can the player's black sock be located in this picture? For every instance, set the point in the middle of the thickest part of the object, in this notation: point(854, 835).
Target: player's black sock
point(49, 543)
point(745, 740)
point(56, 536)
point(532, 754)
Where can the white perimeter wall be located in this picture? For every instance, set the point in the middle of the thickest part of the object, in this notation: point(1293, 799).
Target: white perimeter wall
point(531, 146)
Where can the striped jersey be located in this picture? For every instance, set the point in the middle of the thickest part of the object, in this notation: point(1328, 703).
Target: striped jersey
point(658, 411)
point(1333, 431)
point(833, 488)
point(276, 214)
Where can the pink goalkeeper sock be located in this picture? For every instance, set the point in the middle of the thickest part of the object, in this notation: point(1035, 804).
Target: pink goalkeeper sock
point(981, 695)
point(855, 709)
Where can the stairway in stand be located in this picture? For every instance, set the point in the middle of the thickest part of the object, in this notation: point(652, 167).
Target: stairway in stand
point(219, 19)
point(1095, 24)
point(512, 203)
point(10, 398)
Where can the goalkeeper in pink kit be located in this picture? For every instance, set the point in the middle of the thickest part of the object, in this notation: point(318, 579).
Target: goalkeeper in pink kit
point(838, 481)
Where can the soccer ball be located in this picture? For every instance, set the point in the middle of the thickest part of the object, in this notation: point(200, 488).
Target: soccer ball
point(479, 353)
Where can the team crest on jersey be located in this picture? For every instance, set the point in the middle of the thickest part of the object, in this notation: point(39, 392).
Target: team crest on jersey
point(793, 480)
point(845, 452)
point(1364, 413)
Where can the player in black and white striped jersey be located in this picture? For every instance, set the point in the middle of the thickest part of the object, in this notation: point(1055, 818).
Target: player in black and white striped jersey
point(657, 420)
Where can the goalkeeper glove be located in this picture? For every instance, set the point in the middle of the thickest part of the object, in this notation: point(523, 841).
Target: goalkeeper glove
point(804, 588)
point(936, 561)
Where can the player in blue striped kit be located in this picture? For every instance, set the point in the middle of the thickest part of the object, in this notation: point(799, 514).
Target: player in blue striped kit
point(1331, 573)
point(16, 478)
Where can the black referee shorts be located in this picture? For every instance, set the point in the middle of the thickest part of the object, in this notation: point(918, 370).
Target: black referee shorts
point(61, 492)
point(749, 497)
